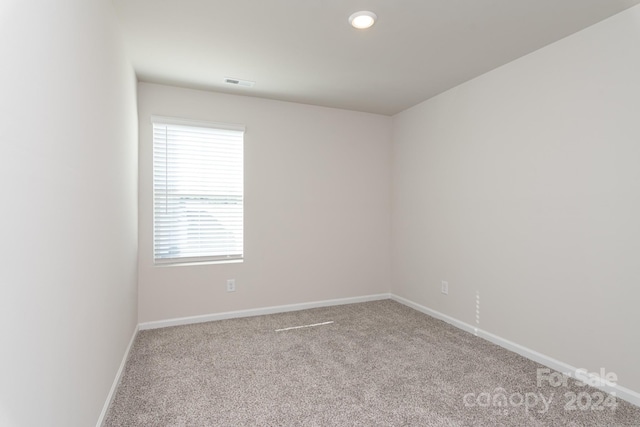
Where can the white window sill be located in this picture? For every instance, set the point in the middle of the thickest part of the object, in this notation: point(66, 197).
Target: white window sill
point(195, 263)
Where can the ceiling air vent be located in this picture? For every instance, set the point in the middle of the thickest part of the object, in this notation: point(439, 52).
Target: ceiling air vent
point(238, 82)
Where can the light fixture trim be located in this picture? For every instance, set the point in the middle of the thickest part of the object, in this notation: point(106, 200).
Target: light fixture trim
point(363, 19)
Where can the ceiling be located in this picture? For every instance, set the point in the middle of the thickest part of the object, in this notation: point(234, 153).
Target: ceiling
point(305, 50)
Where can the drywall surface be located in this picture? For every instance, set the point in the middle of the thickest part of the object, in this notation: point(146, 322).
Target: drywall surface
point(522, 187)
point(317, 220)
point(68, 177)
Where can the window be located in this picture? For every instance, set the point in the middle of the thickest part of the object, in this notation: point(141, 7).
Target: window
point(197, 191)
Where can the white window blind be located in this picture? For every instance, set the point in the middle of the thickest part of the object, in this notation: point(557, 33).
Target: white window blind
point(197, 191)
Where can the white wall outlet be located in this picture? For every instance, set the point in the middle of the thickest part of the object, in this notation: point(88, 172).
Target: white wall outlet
point(445, 287)
point(231, 285)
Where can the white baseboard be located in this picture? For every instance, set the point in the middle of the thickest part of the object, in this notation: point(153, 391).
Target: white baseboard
point(258, 311)
point(116, 381)
point(623, 393)
point(450, 320)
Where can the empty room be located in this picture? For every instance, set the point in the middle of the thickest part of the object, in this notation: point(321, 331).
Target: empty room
point(327, 213)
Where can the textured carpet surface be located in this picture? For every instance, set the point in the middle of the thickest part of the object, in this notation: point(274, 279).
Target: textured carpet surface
point(378, 364)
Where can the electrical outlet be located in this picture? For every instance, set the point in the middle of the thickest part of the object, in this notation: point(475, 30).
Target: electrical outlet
point(231, 285)
point(445, 287)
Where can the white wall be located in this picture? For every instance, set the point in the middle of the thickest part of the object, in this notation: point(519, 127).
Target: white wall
point(524, 185)
point(68, 161)
point(317, 198)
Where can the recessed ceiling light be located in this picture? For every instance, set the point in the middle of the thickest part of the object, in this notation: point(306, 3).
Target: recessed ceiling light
point(363, 19)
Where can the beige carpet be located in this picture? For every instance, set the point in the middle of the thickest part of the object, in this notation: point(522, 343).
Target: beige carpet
point(378, 364)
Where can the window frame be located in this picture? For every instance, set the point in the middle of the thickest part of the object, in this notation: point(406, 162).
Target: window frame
point(198, 259)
